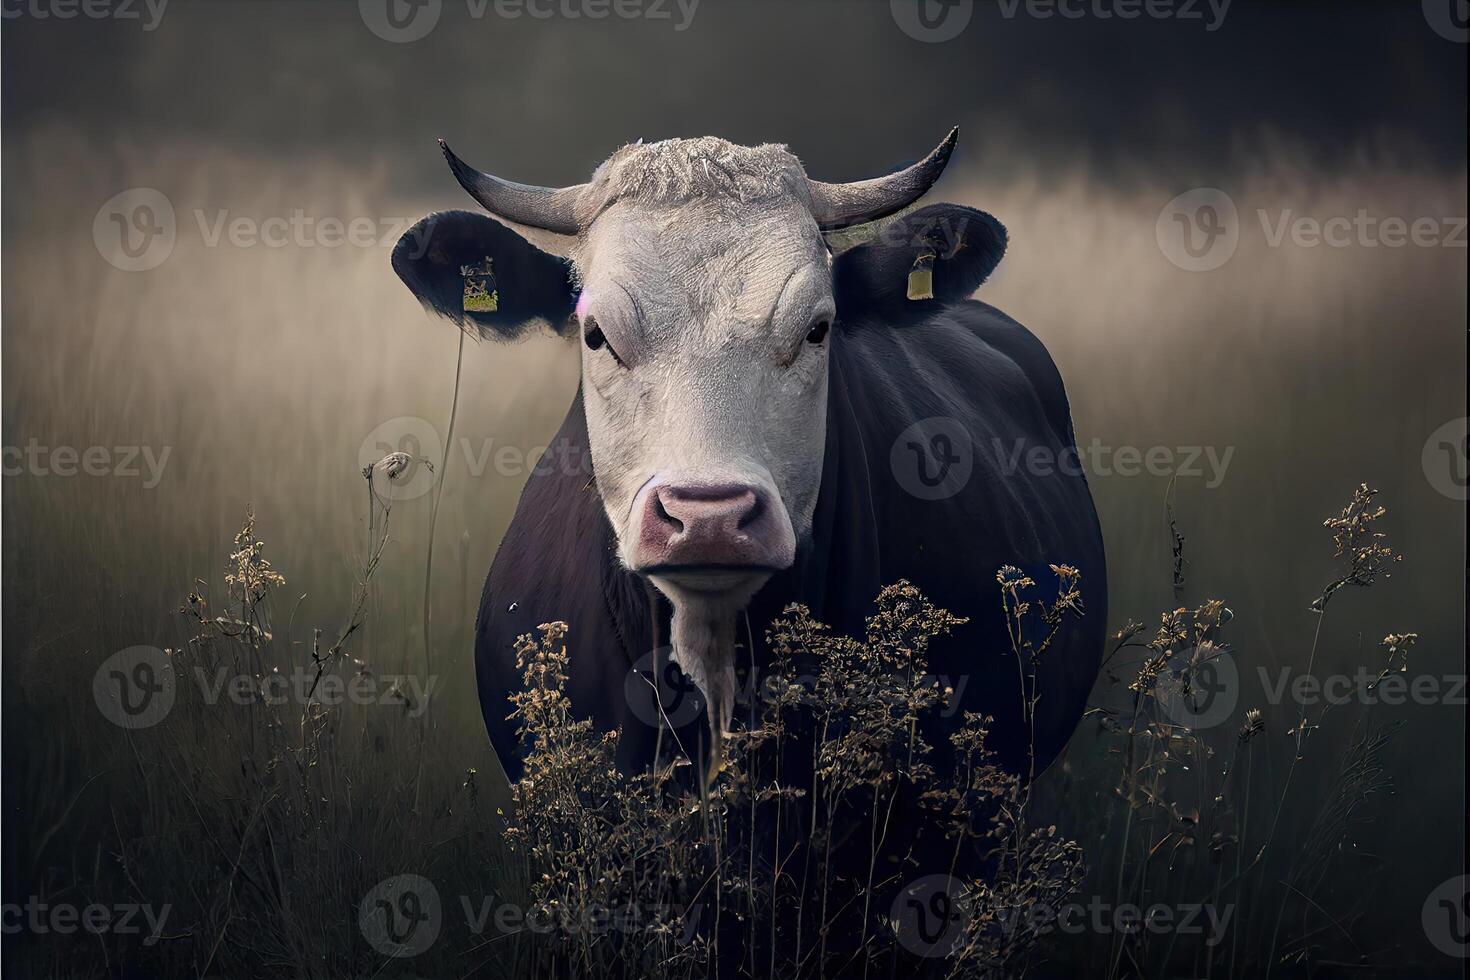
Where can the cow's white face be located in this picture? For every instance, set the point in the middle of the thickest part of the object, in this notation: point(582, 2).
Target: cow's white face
point(705, 330)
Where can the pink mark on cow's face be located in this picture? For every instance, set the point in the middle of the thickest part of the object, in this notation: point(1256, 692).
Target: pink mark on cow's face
point(584, 302)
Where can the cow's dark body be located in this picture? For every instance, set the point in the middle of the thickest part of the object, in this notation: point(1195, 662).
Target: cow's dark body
point(890, 367)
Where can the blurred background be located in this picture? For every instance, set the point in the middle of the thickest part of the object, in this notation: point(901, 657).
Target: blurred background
point(246, 344)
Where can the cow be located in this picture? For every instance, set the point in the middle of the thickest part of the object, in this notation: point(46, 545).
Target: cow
point(765, 418)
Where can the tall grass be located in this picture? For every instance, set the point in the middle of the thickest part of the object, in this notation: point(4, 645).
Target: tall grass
point(268, 828)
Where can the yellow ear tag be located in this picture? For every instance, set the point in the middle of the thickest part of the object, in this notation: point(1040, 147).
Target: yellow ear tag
point(480, 294)
point(921, 277)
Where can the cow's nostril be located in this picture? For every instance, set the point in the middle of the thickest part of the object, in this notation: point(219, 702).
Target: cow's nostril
point(663, 514)
point(754, 513)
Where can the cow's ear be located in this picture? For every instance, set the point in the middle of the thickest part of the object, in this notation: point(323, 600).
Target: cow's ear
point(939, 254)
point(480, 274)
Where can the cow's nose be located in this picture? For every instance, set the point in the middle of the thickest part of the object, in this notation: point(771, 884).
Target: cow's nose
point(729, 524)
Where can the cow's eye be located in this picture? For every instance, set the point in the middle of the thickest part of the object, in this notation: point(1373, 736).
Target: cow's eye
point(818, 332)
point(595, 339)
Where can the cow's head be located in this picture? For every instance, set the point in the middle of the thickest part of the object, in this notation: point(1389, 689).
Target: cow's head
point(697, 280)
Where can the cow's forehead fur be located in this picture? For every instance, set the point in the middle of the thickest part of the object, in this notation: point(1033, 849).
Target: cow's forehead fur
point(699, 231)
point(676, 172)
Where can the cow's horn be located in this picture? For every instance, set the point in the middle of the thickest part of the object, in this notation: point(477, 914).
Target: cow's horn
point(548, 208)
point(840, 205)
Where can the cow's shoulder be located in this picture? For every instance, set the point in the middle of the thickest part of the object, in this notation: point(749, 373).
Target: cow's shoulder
point(1010, 340)
point(964, 359)
point(557, 563)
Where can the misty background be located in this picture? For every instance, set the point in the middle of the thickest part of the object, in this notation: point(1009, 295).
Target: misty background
point(261, 370)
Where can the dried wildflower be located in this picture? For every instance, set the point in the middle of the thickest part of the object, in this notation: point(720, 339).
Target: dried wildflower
point(1211, 616)
point(1254, 723)
point(1148, 673)
point(1173, 630)
point(251, 577)
point(1364, 550)
point(1128, 631)
point(1398, 645)
point(1012, 578)
point(390, 468)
